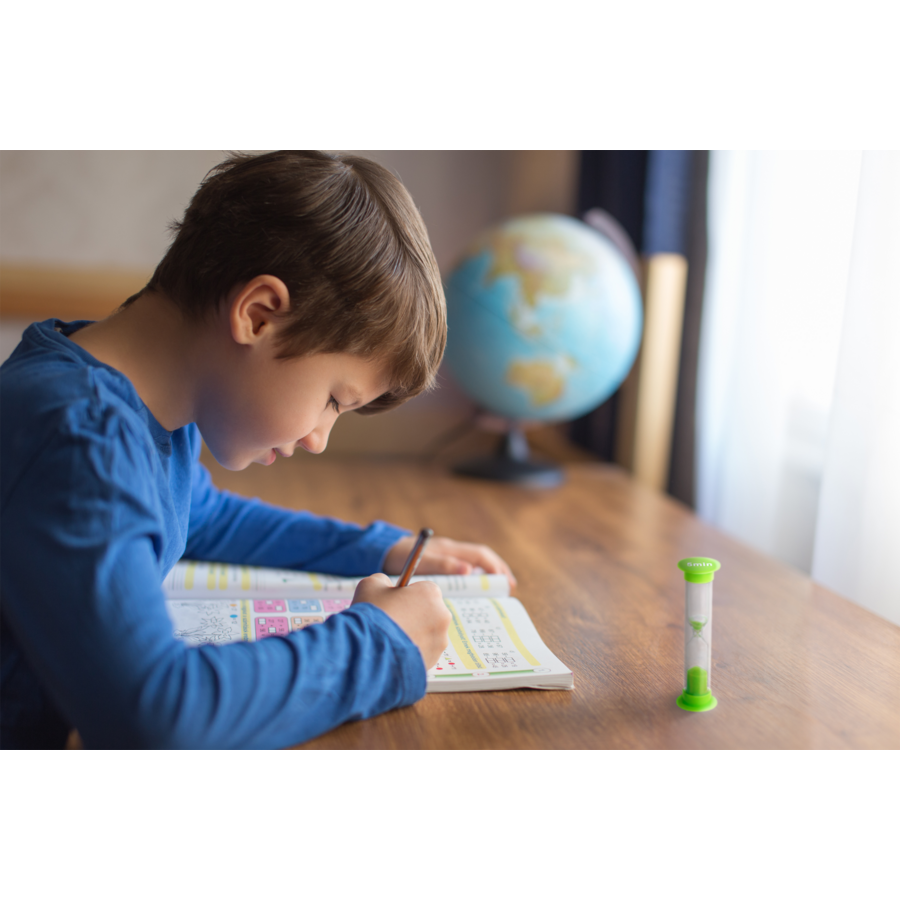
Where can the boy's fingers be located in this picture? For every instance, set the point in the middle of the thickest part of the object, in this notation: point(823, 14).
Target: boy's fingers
point(466, 558)
point(381, 578)
point(444, 565)
point(368, 588)
point(485, 558)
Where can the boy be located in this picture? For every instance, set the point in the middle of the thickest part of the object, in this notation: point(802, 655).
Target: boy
point(298, 286)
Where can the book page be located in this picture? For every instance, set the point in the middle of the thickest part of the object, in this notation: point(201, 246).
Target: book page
point(226, 621)
point(210, 621)
point(489, 637)
point(190, 579)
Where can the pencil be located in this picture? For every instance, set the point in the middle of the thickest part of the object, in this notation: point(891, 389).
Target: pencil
point(412, 561)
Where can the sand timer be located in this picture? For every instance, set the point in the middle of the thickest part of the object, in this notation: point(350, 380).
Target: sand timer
point(698, 577)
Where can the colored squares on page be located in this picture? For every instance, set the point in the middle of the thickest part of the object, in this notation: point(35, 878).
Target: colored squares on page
point(298, 622)
point(268, 626)
point(305, 606)
point(269, 606)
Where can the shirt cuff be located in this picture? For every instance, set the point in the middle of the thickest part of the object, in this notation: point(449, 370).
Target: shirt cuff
point(378, 540)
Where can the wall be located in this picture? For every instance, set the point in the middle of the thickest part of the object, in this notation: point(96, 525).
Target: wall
point(108, 211)
point(86, 208)
point(457, 192)
point(91, 210)
point(10, 334)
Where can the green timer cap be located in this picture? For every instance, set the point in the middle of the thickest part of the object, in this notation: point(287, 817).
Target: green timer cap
point(699, 569)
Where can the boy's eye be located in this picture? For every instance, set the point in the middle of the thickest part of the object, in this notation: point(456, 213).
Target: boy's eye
point(335, 405)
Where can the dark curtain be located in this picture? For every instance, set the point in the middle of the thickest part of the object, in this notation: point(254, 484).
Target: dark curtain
point(660, 201)
point(611, 180)
point(614, 180)
point(682, 468)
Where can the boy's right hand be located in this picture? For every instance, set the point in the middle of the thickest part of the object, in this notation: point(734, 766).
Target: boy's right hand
point(418, 609)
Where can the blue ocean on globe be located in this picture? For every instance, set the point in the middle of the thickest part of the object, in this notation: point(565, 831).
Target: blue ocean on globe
point(544, 319)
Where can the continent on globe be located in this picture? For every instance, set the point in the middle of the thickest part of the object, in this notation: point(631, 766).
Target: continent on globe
point(542, 261)
point(542, 380)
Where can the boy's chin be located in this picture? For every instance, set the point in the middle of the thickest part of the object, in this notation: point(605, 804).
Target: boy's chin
point(237, 462)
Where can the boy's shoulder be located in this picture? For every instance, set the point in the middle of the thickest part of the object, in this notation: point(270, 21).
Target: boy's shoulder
point(47, 371)
point(52, 390)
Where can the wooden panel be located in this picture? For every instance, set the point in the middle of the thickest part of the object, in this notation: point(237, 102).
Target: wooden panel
point(647, 411)
point(794, 665)
point(41, 292)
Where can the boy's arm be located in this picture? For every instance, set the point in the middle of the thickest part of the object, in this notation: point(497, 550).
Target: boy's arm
point(81, 594)
point(226, 527)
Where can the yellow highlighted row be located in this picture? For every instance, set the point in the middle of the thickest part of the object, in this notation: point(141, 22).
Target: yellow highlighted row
point(211, 577)
point(508, 625)
point(246, 621)
point(460, 640)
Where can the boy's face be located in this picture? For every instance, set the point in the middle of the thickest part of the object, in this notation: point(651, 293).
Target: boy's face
point(272, 406)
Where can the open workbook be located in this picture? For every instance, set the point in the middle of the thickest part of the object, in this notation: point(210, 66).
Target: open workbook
point(493, 643)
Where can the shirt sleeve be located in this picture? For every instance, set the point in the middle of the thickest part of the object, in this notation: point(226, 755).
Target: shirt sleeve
point(226, 527)
point(81, 591)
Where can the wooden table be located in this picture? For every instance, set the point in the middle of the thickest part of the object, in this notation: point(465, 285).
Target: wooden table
point(794, 665)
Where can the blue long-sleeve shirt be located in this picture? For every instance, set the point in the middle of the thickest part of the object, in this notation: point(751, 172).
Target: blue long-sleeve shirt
point(98, 501)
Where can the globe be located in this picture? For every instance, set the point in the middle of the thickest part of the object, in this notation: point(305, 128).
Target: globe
point(544, 319)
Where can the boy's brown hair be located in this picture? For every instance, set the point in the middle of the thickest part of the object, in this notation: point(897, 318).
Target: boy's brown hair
point(344, 236)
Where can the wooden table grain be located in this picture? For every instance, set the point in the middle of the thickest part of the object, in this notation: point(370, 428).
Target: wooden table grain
point(794, 665)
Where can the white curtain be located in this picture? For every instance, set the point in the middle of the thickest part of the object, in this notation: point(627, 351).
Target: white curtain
point(798, 400)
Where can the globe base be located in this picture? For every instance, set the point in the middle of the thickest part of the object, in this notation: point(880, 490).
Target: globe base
point(511, 464)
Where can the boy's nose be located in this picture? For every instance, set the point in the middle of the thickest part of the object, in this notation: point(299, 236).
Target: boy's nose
point(316, 441)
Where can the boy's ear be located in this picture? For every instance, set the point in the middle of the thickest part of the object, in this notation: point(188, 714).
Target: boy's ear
point(256, 307)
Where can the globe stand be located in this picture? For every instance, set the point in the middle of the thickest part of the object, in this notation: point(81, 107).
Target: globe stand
point(511, 463)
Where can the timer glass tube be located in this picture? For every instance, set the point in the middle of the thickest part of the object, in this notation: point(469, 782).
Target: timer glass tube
point(698, 590)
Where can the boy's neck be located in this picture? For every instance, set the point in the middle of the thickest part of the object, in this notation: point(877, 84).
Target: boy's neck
point(155, 347)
